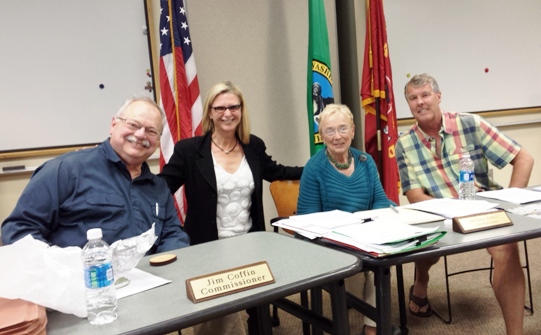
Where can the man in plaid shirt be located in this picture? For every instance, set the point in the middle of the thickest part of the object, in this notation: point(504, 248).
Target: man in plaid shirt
point(428, 158)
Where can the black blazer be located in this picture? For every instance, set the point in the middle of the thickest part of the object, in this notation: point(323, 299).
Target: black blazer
point(191, 165)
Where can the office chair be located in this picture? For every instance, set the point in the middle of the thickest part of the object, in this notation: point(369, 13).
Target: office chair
point(285, 194)
point(526, 266)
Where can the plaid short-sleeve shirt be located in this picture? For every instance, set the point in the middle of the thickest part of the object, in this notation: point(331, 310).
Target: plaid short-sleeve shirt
point(421, 167)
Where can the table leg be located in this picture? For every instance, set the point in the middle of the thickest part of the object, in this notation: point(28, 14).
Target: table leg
point(263, 314)
point(339, 308)
point(401, 299)
point(382, 278)
point(317, 306)
point(304, 302)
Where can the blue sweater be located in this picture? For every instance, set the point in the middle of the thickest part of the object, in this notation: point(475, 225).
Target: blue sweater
point(323, 188)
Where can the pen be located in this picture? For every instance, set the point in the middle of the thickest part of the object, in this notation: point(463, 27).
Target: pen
point(394, 208)
point(156, 209)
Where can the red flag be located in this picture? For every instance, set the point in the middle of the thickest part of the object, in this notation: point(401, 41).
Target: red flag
point(179, 87)
point(378, 99)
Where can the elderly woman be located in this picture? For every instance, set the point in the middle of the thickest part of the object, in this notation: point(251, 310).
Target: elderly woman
point(223, 172)
point(344, 178)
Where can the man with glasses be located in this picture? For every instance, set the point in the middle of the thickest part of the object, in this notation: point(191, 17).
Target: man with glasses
point(109, 186)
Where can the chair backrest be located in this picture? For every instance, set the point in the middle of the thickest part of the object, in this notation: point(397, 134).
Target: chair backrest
point(285, 193)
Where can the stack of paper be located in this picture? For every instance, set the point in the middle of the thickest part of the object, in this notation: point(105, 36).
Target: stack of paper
point(513, 195)
point(381, 238)
point(531, 210)
point(317, 224)
point(22, 317)
point(399, 214)
point(451, 208)
point(379, 233)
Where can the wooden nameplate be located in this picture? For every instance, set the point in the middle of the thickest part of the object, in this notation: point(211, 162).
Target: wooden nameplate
point(477, 222)
point(230, 281)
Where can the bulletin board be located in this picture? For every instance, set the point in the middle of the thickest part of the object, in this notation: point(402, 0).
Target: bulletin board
point(485, 54)
point(67, 66)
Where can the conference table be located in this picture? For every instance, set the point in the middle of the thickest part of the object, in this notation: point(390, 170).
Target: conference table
point(296, 266)
point(523, 228)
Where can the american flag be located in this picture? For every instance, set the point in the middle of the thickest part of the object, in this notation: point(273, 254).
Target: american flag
point(179, 87)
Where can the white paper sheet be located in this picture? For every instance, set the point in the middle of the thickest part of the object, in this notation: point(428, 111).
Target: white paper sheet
point(329, 220)
point(139, 281)
point(451, 208)
point(403, 215)
point(531, 210)
point(318, 224)
point(381, 232)
point(513, 195)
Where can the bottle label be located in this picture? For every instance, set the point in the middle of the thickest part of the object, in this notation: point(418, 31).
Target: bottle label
point(98, 276)
point(466, 176)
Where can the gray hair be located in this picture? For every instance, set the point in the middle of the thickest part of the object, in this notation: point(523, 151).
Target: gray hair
point(421, 80)
point(331, 109)
point(143, 98)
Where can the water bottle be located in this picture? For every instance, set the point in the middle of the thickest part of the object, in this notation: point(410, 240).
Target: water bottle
point(466, 184)
point(99, 281)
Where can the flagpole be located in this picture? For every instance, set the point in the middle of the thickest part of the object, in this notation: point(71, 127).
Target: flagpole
point(348, 60)
point(149, 21)
point(319, 70)
point(378, 136)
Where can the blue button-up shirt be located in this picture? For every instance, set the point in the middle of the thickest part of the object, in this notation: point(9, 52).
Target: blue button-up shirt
point(92, 188)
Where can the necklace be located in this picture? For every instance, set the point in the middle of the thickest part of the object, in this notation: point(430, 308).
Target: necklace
point(340, 166)
point(227, 152)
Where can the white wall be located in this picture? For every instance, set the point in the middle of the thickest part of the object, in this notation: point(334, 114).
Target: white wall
point(455, 41)
point(54, 63)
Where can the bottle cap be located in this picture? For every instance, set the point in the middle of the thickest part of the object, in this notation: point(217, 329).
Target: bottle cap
point(93, 234)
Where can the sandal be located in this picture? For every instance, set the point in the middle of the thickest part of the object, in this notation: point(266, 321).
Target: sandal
point(421, 302)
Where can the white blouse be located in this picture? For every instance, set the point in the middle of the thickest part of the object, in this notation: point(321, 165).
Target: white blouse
point(234, 200)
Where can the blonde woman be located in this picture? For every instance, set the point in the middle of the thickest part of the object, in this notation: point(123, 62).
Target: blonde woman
point(223, 172)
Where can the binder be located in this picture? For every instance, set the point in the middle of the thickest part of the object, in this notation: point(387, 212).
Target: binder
point(378, 233)
point(382, 239)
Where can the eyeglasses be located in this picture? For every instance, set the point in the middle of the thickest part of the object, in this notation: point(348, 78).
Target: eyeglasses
point(222, 109)
point(331, 131)
point(136, 125)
